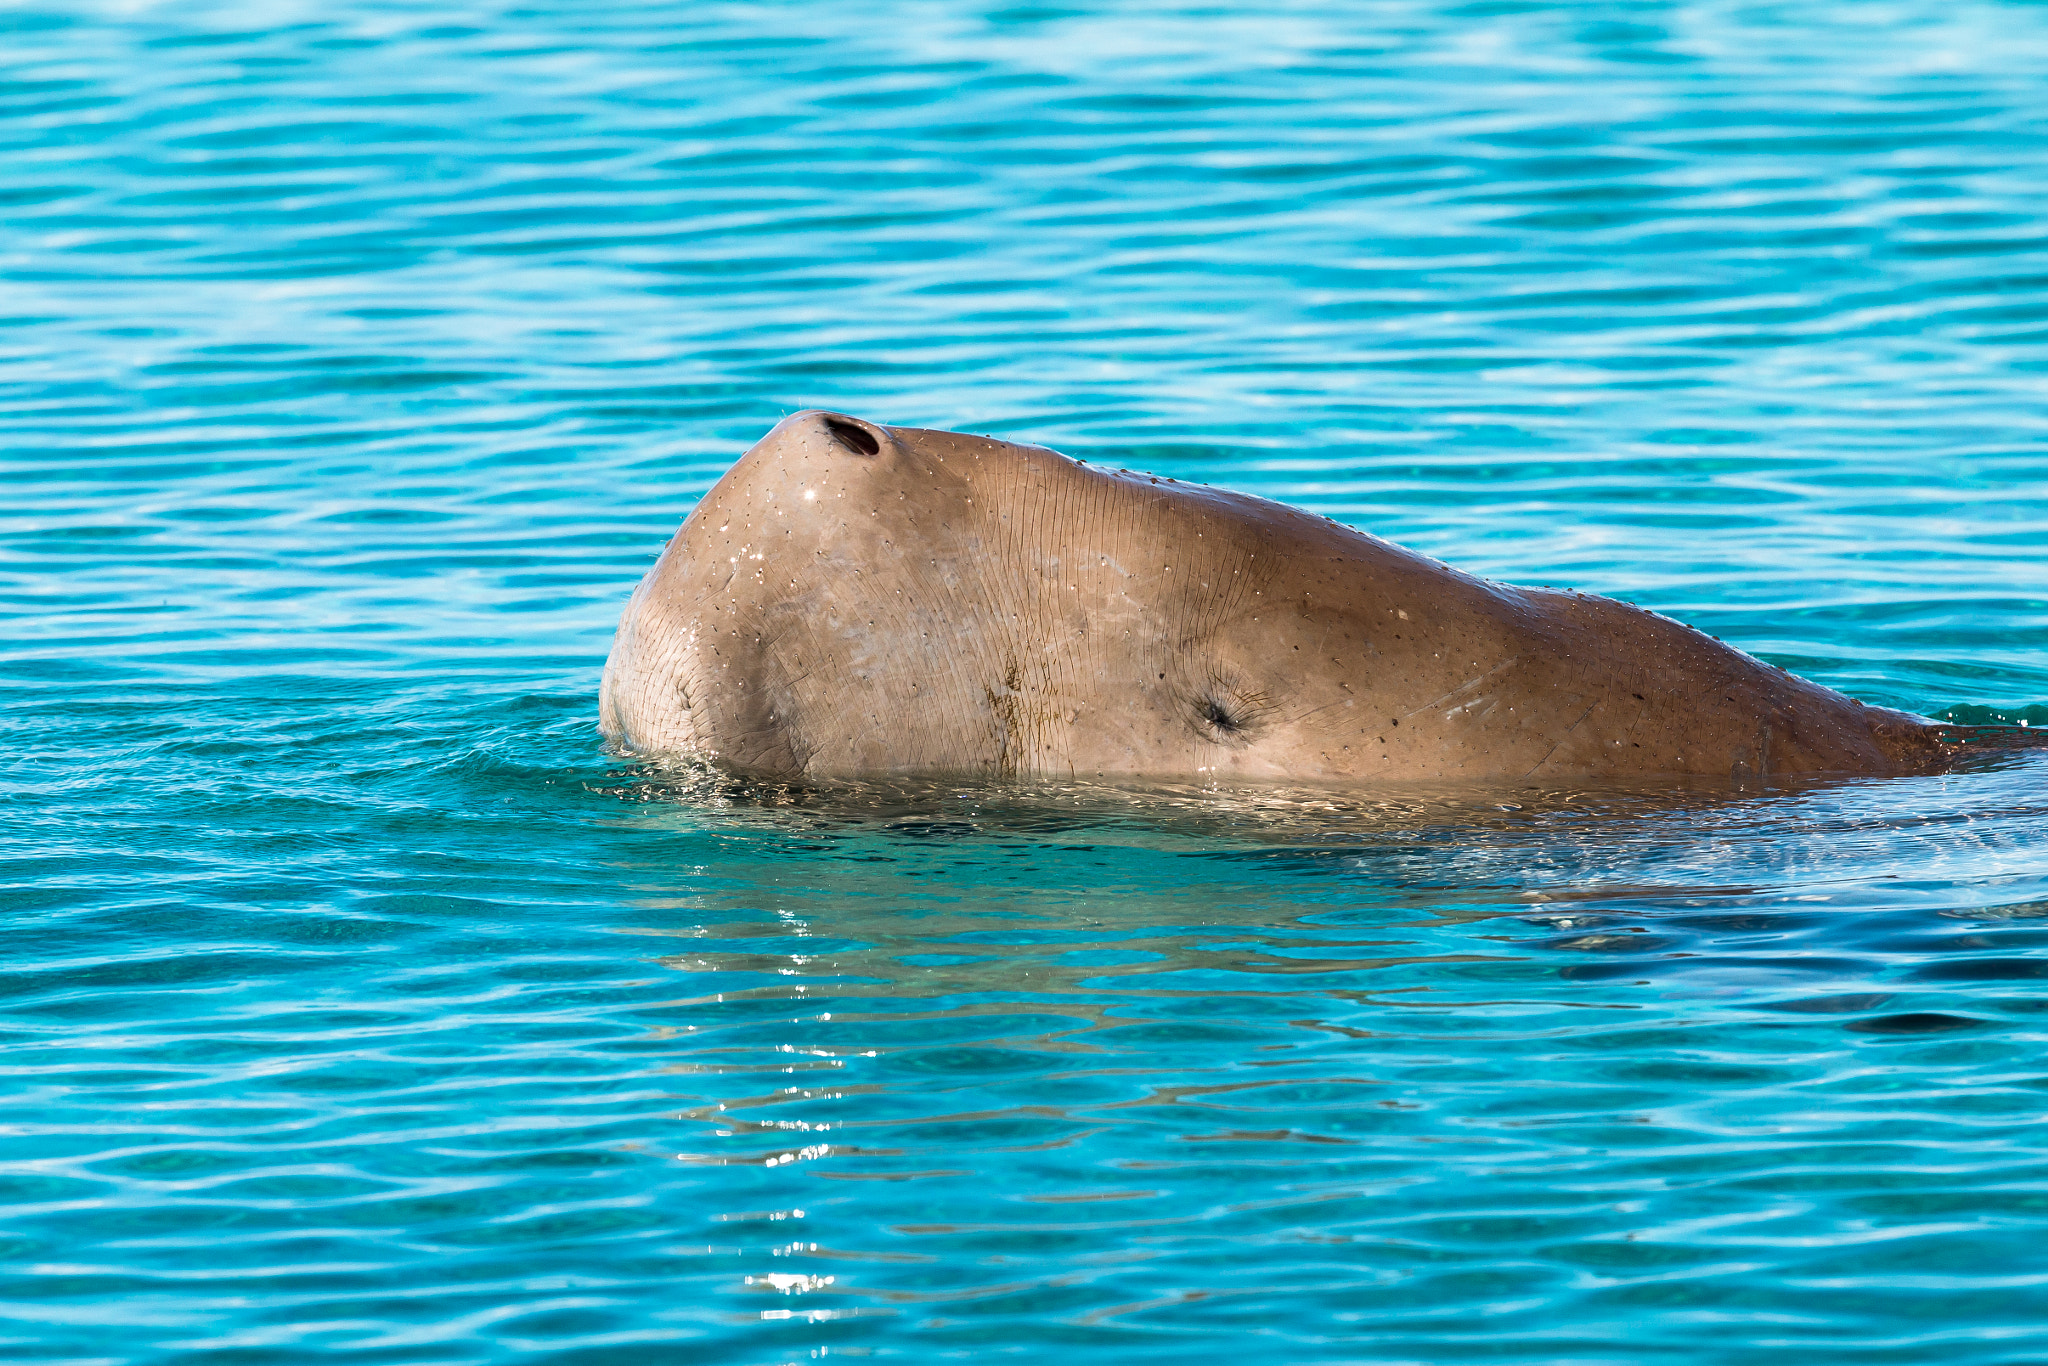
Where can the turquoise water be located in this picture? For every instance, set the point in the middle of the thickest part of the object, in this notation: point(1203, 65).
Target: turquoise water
point(359, 1007)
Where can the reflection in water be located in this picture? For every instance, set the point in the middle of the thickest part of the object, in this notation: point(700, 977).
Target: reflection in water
point(1079, 1052)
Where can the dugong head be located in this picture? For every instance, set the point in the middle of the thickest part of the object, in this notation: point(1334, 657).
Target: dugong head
point(858, 599)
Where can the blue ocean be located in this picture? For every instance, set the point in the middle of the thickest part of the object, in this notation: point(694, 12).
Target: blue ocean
point(357, 358)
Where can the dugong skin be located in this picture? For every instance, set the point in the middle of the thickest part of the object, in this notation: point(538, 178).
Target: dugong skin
point(852, 599)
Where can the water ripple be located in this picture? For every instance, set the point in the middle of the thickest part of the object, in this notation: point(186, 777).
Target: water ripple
point(358, 359)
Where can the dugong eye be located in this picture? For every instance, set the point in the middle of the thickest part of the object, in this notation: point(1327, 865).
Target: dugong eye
point(1229, 715)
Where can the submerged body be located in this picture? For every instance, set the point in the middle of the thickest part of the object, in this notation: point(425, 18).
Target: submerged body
point(851, 599)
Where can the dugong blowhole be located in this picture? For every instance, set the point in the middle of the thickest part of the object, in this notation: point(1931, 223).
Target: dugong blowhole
point(852, 599)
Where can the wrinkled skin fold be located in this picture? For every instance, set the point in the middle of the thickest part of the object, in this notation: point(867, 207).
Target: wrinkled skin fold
point(852, 599)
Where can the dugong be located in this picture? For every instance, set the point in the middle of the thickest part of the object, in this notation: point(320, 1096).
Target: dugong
point(852, 599)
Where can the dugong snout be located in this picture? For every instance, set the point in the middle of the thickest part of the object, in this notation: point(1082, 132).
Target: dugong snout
point(700, 661)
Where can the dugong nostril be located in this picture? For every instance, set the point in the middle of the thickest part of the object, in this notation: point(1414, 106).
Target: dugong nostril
point(853, 436)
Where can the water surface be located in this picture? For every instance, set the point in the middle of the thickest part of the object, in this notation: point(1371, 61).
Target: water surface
point(358, 359)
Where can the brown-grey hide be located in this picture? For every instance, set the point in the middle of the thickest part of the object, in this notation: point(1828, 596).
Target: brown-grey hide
point(852, 599)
